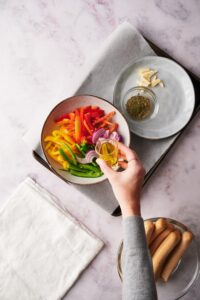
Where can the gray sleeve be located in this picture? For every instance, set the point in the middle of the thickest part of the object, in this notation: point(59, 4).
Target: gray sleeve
point(138, 280)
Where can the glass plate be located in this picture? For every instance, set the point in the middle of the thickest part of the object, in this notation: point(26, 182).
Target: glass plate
point(182, 278)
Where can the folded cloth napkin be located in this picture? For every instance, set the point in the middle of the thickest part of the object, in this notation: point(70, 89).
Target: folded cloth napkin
point(43, 249)
point(122, 47)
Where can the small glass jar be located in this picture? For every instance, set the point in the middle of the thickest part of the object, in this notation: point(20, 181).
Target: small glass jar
point(107, 149)
point(149, 99)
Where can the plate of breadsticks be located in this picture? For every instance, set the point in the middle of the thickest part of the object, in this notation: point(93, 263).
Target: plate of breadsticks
point(174, 254)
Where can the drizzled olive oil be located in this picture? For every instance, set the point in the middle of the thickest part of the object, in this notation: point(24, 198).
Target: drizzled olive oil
point(109, 152)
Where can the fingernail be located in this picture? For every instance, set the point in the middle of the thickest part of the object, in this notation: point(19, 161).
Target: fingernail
point(98, 160)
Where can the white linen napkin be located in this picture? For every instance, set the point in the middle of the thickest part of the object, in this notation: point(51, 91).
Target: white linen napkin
point(43, 249)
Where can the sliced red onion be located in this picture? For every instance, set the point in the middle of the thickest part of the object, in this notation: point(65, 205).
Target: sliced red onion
point(121, 139)
point(116, 136)
point(90, 155)
point(82, 160)
point(106, 134)
point(97, 134)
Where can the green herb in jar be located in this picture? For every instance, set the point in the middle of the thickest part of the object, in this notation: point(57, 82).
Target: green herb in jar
point(139, 107)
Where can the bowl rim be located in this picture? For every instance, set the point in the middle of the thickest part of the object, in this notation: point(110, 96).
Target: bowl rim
point(46, 120)
point(183, 227)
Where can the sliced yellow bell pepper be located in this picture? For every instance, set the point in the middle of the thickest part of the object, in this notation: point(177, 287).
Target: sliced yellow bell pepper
point(57, 158)
point(65, 165)
point(65, 121)
point(54, 140)
point(69, 139)
point(48, 145)
point(56, 133)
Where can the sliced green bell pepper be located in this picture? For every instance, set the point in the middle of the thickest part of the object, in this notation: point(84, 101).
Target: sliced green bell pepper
point(87, 175)
point(64, 155)
point(74, 161)
point(89, 167)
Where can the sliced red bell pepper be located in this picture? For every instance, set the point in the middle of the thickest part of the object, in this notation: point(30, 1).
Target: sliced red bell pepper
point(87, 109)
point(81, 110)
point(108, 123)
point(84, 132)
point(64, 122)
point(72, 116)
point(106, 117)
point(87, 127)
point(95, 114)
point(87, 118)
point(113, 127)
point(71, 134)
point(89, 139)
point(102, 125)
point(65, 116)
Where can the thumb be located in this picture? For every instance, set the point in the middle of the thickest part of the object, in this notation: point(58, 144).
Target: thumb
point(105, 168)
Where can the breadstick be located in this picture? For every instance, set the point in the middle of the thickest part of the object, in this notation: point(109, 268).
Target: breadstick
point(163, 251)
point(160, 226)
point(176, 255)
point(149, 228)
point(156, 243)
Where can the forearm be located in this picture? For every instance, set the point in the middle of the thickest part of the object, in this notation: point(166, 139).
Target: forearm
point(138, 280)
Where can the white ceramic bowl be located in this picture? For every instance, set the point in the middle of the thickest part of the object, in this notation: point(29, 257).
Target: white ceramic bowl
point(69, 105)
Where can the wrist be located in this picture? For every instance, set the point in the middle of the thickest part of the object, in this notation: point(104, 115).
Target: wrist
point(131, 210)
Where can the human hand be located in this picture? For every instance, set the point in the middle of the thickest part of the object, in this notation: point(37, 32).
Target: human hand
point(127, 184)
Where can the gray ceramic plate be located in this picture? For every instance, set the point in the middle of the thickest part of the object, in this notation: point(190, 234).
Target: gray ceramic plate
point(175, 101)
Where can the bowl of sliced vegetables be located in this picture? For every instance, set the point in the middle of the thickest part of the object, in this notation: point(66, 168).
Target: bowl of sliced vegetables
point(71, 132)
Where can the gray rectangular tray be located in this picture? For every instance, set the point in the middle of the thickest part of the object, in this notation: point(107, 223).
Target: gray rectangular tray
point(138, 142)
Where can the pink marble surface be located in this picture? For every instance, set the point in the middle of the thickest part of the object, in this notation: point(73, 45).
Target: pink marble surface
point(43, 45)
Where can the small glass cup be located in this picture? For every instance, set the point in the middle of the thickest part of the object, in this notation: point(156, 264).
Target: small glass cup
point(140, 91)
point(107, 149)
